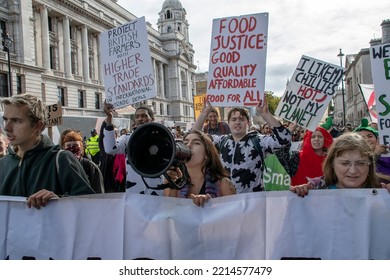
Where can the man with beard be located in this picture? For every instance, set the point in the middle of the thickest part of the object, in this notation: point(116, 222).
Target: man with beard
point(134, 182)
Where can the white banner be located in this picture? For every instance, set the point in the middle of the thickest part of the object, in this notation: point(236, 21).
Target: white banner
point(327, 224)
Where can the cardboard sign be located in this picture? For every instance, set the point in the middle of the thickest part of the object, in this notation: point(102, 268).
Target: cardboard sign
point(199, 104)
point(54, 115)
point(237, 60)
point(127, 65)
point(380, 65)
point(309, 92)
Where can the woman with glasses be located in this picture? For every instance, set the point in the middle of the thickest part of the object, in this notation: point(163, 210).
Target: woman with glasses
point(350, 164)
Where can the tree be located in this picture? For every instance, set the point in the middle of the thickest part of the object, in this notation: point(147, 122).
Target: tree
point(272, 100)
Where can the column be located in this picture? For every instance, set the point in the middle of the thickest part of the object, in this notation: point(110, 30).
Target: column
point(84, 43)
point(67, 48)
point(161, 72)
point(45, 38)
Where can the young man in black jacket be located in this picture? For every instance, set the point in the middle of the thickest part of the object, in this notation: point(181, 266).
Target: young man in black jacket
point(35, 167)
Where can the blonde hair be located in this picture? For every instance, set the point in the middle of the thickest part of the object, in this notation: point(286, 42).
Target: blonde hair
point(36, 110)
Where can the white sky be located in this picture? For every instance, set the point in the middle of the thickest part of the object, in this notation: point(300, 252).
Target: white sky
point(296, 27)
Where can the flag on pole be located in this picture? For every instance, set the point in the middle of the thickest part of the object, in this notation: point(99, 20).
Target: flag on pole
point(369, 96)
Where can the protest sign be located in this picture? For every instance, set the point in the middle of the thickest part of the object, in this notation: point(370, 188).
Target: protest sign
point(199, 104)
point(275, 176)
point(369, 97)
point(127, 65)
point(309, 92)
point(54, 115)
point(380, 65)
point(237, 60)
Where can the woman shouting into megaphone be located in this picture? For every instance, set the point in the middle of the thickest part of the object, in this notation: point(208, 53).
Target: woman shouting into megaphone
point(207, 177)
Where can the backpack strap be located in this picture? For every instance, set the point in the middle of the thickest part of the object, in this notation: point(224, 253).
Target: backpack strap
point(256, 144)
point(57, 162)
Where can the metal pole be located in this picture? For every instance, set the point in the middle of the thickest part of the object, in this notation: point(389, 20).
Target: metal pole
point(341, 55)
point(9, 75)
point(8, 43)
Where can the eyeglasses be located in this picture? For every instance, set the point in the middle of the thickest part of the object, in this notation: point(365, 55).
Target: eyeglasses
point(359, 165)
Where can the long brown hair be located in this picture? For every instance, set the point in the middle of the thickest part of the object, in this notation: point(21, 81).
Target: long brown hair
point(213, 162)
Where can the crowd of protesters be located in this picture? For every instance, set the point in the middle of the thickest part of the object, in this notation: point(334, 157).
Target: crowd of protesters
point(226, 158)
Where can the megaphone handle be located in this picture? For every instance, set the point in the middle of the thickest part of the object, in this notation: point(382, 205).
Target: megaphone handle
point(181, 182)
point(171, 184)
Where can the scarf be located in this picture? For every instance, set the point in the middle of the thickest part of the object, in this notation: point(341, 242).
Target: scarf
point(310, 164)
point(75, 150)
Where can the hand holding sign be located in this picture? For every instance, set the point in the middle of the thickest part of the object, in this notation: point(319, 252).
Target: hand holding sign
point(262, 107)
point(108, 110)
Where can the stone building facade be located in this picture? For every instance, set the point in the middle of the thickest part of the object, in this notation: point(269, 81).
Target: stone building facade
point(358, 71)
point(55, 55)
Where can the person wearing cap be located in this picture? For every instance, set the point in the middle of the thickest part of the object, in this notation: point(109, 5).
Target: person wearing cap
point(370, 135)
point(93, 149)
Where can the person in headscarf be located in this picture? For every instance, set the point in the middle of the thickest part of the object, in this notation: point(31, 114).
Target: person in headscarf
point(307, 162)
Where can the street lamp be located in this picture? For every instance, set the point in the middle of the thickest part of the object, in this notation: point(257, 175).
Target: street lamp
point(341, 55)
point(7, 44)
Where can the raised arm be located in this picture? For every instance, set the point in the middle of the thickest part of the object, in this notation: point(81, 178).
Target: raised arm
point(263, 111)
point(202, 116)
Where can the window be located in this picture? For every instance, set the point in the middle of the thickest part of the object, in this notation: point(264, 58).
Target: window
point(98, 98)
point(20, 86)
point(3, 27)
point(71, 32)
point(61, 91)
point(73, 59)
point(154, 106)
point(91, 68)
point(168, 110)
point(81, 98)
point(161, 109)
point(52, 57)
point(50, 23)
point(3, 85)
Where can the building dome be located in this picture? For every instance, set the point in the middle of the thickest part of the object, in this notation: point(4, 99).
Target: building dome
point(172, 4)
